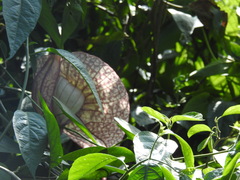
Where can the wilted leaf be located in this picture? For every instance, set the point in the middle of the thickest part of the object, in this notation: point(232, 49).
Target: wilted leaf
point(31, 133)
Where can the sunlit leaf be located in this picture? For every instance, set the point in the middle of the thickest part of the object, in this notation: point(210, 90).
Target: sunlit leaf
point(190, 116)
point(203, 144)
point(232, 110)
point(85, 165)
point(197, 129)
point(230, 167)
point(54, 140)
point(31, 133)
point(129, 129)
point(155, 114)
point(185, 22)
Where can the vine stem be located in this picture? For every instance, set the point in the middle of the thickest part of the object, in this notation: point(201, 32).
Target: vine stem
point(23, 88)
point(26, 74)
point(208, 45)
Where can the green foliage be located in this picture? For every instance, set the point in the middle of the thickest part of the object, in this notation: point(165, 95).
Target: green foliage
point(179, 66)
point(53, 130)
point(31, 133)
point(20, 18)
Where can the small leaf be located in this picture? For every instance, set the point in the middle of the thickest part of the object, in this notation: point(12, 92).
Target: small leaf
point(161, 117)
point(80, 67)
point(21, 17)
point(67, 112)
point(197, 129)
point(232, 110)
point(54, 140)
point(190, 116)
point(85, 165)
point(31, 133)
point(130, 130)
point(203, 144)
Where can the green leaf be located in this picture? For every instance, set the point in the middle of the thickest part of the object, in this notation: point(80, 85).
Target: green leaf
point(214, 68)
point(20, 17)
point(186, 149)
point(203, 144)
point(54, 140)
point(150, 145)
point(49, 24)
point(31, 133)
point(88, 164)
point(232, 110)
point(118, 151)
point(155, 114)
point(190, 116)
point(67, 112)
point(144, 172)
point(72, 15)
point(72, 156)
point(80, 67)
point(229, 168)
point(130, 130)
point(167, 174)
point(197, 129)
point(185, 22)
point(8, 145)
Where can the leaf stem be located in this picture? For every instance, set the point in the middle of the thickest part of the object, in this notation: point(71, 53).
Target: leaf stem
point(202, 155)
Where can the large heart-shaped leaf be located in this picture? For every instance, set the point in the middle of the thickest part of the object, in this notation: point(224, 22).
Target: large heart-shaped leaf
point(21, 17)
point(31, 133)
